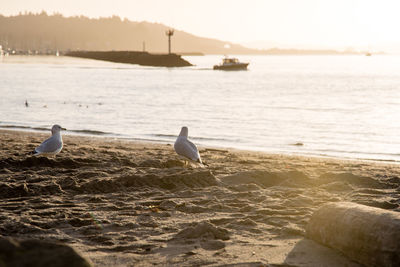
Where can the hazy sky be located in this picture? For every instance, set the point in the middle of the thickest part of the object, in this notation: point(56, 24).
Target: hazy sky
point(315, 23)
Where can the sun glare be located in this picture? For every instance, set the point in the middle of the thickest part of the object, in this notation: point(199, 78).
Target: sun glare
point(315, 23)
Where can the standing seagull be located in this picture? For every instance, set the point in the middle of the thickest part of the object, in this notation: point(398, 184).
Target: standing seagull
point(52, 145)
point(185, 148)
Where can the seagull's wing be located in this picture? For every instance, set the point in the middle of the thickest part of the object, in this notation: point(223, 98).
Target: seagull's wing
point(187, 149)
point(50, 145)
point(195, 151)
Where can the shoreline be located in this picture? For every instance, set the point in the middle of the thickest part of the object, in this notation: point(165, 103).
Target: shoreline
point(113, 136)
point(120, 202)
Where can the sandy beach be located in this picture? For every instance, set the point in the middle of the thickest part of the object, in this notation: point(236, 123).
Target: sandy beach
point(124, 203)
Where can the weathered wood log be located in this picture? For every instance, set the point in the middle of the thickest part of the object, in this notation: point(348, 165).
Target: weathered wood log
point(368, 235)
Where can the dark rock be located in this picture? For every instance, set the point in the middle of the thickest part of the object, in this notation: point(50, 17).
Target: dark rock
point(35, 253)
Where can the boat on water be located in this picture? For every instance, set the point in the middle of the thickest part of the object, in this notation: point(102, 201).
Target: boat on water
point(231, 64)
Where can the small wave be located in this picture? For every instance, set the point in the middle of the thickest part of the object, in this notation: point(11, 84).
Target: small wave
point(14, 126)
point(91, 132)
point(173, 136)
point(27, 128)
point(356, 152)
point(348, 155)
point(21, 127)
point(213, 139)
point(165, 135)
point(144, 139)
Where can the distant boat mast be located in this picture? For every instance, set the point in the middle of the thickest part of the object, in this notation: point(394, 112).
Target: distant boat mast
point(169, 33)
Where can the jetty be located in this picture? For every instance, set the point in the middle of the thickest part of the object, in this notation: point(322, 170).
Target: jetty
point(134, 57)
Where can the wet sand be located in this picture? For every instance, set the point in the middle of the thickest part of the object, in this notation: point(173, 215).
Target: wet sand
point(122, 203)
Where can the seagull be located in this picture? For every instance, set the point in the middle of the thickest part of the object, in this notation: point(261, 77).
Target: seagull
point(185, 148)
point(52, 145)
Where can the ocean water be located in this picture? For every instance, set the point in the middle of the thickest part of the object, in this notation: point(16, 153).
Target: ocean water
point(339, 106)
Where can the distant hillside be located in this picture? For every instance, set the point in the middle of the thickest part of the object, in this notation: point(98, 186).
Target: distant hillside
point(42, 32)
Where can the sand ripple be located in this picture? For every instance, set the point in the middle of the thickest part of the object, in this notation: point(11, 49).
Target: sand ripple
point(139, 201)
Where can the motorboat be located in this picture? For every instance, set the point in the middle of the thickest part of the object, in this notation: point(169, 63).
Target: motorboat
point(231, 64)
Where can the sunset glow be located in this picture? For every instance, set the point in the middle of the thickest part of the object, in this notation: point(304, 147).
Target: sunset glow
point(199, 133)
point(307, 23)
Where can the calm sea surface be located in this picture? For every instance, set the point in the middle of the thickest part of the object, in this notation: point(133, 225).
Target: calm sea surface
point(341, 106)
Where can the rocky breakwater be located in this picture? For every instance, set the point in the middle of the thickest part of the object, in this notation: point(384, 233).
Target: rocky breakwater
point(134, 57)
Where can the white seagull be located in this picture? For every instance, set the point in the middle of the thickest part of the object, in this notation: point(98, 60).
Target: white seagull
point(185, 148)
point(52, 145)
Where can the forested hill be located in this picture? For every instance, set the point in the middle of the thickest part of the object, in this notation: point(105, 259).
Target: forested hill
point(50, 32)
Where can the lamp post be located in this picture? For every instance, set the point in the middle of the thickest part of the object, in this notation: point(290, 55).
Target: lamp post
point(169, 33)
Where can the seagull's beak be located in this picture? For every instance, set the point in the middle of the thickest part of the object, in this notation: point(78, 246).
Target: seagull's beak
point(63, 129)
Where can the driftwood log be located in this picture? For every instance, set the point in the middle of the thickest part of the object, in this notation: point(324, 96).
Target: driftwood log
point(368, 235)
